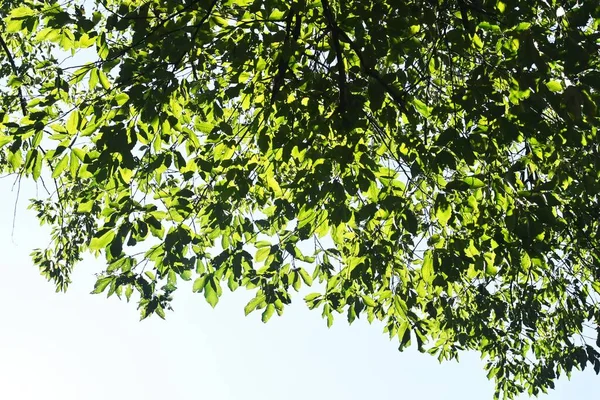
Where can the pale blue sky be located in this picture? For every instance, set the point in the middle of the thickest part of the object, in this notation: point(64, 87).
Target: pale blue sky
point(81, 346)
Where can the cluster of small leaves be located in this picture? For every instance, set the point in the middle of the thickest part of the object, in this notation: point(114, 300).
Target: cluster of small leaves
point(433, 164)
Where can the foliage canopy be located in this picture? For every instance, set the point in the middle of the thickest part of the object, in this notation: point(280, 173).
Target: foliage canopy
point(434, 164)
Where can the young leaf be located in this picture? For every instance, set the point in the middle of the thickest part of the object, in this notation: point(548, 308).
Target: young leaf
point(61, 166)
point(121, 98)
point(103, 79)
point(199, 284)
point(210, 294)
point(427, 267)
point(554, 86)
point(443, 214)
point(266, 315)
point(73, 122)
point(252, 304)
point(102, 284)
point(37, 165)
point(94, 77)
point(99, 243)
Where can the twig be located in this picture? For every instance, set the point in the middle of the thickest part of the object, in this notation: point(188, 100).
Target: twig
point(11, 60)
point(396, 94)
point(464, 14)
point(198, 26)
point(284, 60)
point(338, 50)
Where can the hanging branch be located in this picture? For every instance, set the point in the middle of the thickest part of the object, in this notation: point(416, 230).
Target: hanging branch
point(396, 94)
point(333, 28)
point(193, 37)
point(11, 60)
point(464, 14)
point(284, 59)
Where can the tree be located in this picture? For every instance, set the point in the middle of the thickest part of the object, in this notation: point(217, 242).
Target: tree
point(433, 164)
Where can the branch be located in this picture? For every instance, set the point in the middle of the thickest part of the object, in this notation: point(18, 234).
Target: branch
point(284, 58)
point(198, 26)
point(11, 60)
point(338, 50)
point(150, 33)
point(396, 94)
point(464, 14)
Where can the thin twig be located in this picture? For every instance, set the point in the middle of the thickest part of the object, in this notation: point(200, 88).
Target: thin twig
point(198, 26)
point(11, 60)
point(283, 64)
point(396, 94)
point(338, 50)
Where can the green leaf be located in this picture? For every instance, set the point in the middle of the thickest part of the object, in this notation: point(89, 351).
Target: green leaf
point(422, 108)
point(128, 292)
point(203, 126)
point(253, 304)
point(262, 254)
point(172, 279)
point(100, 242)
point(186, 275)
point(477, 41)
point(73, 164)
point(525, 261)
point(312, 296)
point(427, 271)
point(554, 86)
point(244, 76)
point(37, 165)
point(4, 140)
point(199, 284)
point(266, 315)
point(160, 312)
point(85, 207)
point(121, 98)
point(400, 307)
point(272, 183)
point(210, 294)
point(116, 247)
point(103, 79)
point(102, 284)
point(305, 277)
point(60, 167)
point(443, 214)
point(94, 78)
point(474, 183)
point(368, 301)
point(73, 122)
point(79, 153)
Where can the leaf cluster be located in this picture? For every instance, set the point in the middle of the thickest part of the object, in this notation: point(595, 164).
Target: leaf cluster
point(433, 165)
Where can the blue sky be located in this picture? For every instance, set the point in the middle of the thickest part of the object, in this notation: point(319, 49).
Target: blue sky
point(81, 346)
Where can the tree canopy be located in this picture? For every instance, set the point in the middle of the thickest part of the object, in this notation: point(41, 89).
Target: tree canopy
point(432, 164)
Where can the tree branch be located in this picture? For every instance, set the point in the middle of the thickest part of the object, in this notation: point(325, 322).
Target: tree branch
point(198, 26)
point(284, 55)
point(339, 55)
point(11, 60)
point(464, 14)
point(396, 94)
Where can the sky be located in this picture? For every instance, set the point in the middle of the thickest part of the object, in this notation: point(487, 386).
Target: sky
point(76, 345)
